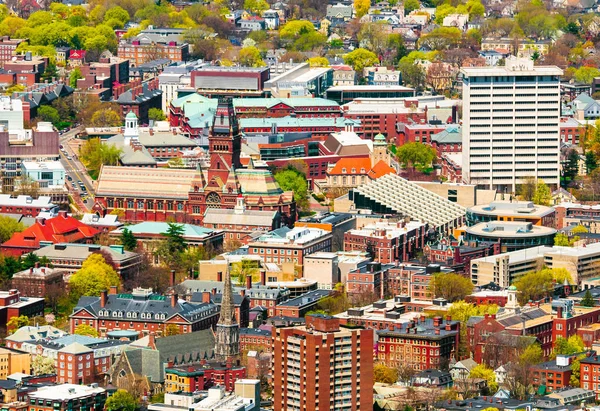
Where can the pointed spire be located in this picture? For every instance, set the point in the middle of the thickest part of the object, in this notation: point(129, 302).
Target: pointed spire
point(227, 308)
point(199, 181)
point(232, 184)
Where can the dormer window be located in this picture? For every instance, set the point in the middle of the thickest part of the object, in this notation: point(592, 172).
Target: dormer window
point(362, 170)
point(343, 170)
point(353, 170)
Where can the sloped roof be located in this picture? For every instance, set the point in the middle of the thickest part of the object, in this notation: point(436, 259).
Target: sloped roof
point(155, 227)
point(60, 229)
point(380, 169)
point(451, 135)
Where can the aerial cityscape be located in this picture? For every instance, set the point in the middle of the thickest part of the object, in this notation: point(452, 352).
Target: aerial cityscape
point(300, 205)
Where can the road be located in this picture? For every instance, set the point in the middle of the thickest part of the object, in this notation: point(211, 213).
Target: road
point(76, 171)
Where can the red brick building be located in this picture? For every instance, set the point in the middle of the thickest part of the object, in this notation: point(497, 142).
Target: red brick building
point(413, 280)
point(25, 205)
point(60, 229)
point(571, 131)
point(150, 195)
point(589, 375)
point(142, 311)
point(290, 245)
point(422, 344)
point(387, 242)
point(419, 132)
point(458, 257)
point(12, 305)
point(369, 278)
point(38, 281)
point(198, 377)
point(299, 306)
point(322, 356)
point(553, 375)
point(8, 47)
point(139, 52)
point(256, 339)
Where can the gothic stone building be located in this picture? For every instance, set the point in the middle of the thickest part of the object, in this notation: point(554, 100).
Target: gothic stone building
point(155, 194)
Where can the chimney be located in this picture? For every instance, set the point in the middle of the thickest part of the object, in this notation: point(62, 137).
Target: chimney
point(391, 327)
point(40, 221)
point(206, 296)
point(113, 289)
point(422, 318)
point(493, 316)
point(37, 265)
point(31, 270)
point(63, 213)
point(151, 340)
point(448, 319)
point(243, 293)
point(436, 321)
point(43, 270)
point(437, 331)
point(248, 281)
point(220, 276)
point(263, 277)
point(103, 298)
point(174, 298)
point(448, 327)
point(172, 278)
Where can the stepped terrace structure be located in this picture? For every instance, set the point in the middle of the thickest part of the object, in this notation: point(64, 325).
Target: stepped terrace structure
point(392, 194)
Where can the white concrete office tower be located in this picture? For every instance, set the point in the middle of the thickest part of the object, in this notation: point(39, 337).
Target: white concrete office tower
point(511, 124)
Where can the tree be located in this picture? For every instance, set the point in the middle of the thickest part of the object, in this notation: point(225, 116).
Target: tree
point(318, 62)
point(410, 5)
point(532, 355)
point(294, 28)
point(542, 195)
point(588, 300)
point(563, 240)
point(416, 156)
point(250, 57)
point(568, 346)
point(94, 154)
point(17, 322)
point(586, 74)
point(412, 74)
point(439, 76)
point(42, 365)
point(9, 226)
point(156, 114)
point(361, 7)
point(48, 113)
point(121, 401)
point(256, 6)
point(538, 285)
point(128, 240)
point(527, 189)
point(591, 163)
point(451, 286)
point(384, 374)
point(84, 329)
point(94, 276)
point(576, 371)
point(106, 118)
point(171, 329)
point(243, 268)
point(482, 371)
point(118, 14)
point(361, 58)
point(579, 229)
point(292, 179)
point(74, 76)
point(571, 166)
point(175, 241)
point(50, 73)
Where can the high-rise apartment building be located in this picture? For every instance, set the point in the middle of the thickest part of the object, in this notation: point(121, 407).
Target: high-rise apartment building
point(511, 127)
point(323, 366)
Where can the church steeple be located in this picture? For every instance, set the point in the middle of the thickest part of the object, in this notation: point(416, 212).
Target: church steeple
point(224, 142)
point(227, 336)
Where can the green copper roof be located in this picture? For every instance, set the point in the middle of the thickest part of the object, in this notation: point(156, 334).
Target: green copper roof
point(131, 115)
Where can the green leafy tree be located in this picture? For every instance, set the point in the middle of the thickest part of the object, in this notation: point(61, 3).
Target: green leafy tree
point(250, 57)
point(416, 156)
point(579, 229)
point(563, 240)
point(568, 346)
point(451, 286)
point(94, 276)
point(591, 163)
point(48, 113)
point(175, 240)
point(586, 74)
point(42, 365)
point(84, 329)
point(94, 154)
point(532, 355)
point(410, 5)
point(588, 300)
point(29, 260)
point(15, 88)
point(243, 268)
point(107, 117)
point(50, 73)
point(74, 76)
point(15, 323)
point(318, 62)
point(9, 226)
point(542, 195)
point(118, 14)
point(156, 114)
point(483, 371)
point(538, 285)
point(576, 371)
point(361, 7)
point(361, 58)
point(256, 6)
point(295, 28)
point(121, 401)
point(128, 240)
point(571, 166)
point(294, 180)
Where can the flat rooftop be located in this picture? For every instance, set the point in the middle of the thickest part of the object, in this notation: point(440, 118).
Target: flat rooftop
point(503, 229)
point(385, 229)
point(512, 208)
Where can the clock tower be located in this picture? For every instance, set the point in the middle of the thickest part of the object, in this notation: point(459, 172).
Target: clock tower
point(224, 144)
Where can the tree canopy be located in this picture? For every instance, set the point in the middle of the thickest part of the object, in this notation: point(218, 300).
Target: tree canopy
point(360, 58)
point(416, 156)
point(451, 286)
point(538, 285)
point(94, 276)
point(292, 179)
point(9, 226)
point(94, 154)
point(84, 329)
point(121, 401)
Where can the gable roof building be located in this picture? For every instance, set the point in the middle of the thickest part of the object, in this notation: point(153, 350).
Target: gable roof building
point(60, 229)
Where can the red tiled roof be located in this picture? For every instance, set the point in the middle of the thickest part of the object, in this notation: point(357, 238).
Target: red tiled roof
point(61, 229)
point(350, 164)
point(380, 169)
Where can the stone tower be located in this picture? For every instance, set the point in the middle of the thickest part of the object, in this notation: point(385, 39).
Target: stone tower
point(380, 151)
point(227, 336)
point(224, 143)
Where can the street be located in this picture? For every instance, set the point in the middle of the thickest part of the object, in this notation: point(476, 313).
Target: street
point(75, 171)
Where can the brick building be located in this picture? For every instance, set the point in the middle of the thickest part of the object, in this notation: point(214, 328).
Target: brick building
point(26, 70)
point(12, 304)
point(320, 357)
point(103, 75)
point(290, 245)
point(369, 278)
point(413, 280)
point(589, 375)
point(299, 306)
point(571, 131)
point(8, 48)
point(553, 375)
point(421, 344)
point(39, 281)
point(255, 338)
point(60, 229)
point(419, 132)
point(232, 81)
point(458, 257)
point(190, 378)
point(25, 205)
point(142, 311)
point(387, 242)
point(139, 97)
